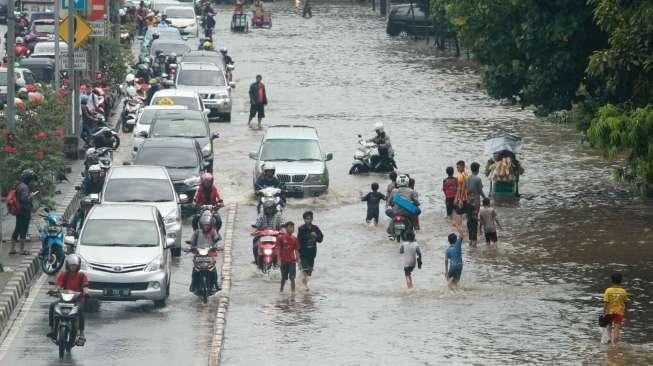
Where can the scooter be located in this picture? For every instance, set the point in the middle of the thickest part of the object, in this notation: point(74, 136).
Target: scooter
point(102, 137)
point(400, 226)
point(268, 194)
point(204, 263)
point(102, 156)
point(367, 159)
point(130, 112)
point(52, 237)
point(66, 320)
point(268, 251)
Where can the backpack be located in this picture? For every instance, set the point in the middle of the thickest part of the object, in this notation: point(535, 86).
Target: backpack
point(13, 204)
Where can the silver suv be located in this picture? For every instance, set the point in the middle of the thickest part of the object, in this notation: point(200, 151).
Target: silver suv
point(210, 82)
point(300, 163)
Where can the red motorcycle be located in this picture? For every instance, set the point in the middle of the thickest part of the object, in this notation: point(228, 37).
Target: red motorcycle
point(268, 251)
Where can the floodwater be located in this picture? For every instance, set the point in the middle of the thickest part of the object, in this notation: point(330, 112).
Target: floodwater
point(534, 299)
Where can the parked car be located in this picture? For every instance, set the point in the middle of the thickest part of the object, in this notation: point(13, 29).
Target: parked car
point(41, 68)
point(182, 157)
point(166, 34)
point(46, 49)
point(183, 18)
point(205, 56)
point(146, 185)
point(184, 124)
point(211, 83)
point(123, 252)
point(147, 115)
point(409, 19)
point(169, 46)
point(187, 98)
point(295, 151)
point(23, 77)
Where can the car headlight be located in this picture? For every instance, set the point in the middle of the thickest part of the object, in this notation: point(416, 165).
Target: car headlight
point(223, 96)
point(155, 265)
point(192, 181)
point(267, 251)
point(171, 218)
point(206, 150)
point(314, 179)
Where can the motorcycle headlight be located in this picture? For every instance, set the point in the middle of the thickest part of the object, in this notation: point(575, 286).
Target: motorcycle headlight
point(267, 251)
point(155, 265)
point(192, 181)
point(314, 179)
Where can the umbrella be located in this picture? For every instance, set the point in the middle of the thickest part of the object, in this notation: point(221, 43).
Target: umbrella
point(502, 142)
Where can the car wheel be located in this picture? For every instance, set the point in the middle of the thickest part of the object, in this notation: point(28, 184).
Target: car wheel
point(392, 30)
point(176, 252)
point(162, 303)
point(226, 117)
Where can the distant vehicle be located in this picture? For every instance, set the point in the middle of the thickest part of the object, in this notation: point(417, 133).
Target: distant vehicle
point(211, 83)
point(123, 252)
point(409, 19)
point(46, 49)
point(185, 124)
point(161, 5)
point(23, 77)
point(169, 46)
point(3, 11)
point(146, 116)
point(41, 68)
point(146, 185)
point(165, 34)
point(188, 98)
point(182, 157)
point(296, 153)
point(40, 31)
point(38, 15)
point(205, 56)
point(183, 18)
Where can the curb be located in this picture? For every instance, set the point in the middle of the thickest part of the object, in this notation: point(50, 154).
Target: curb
point(223, 299)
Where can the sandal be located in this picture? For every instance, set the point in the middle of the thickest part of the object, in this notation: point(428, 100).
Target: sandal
point(13, 252)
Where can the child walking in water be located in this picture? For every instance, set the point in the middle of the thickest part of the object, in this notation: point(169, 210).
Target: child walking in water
point(453, 258)
point(614, 306)
point(373, 200)
point(411, 255)
point(489, 221)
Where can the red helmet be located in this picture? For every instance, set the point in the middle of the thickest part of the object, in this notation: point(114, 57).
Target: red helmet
point(206, 179)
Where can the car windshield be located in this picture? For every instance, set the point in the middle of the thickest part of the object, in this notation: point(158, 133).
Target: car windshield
point(216, 60)
point(147, 116)
point(169, 48)
point(179, 127)
point(138, 190)
point(132, 233)
point(189, 102)
point(169, 157)
point(180, 13)
point(200, 78)
point(44, 28)
point(290, 150)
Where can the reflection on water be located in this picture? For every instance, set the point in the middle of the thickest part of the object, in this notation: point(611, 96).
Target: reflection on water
point(533, 299)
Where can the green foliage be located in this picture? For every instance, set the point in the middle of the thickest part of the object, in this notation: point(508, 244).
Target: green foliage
point(625, 67)
point(622, 132)
point(115, 59)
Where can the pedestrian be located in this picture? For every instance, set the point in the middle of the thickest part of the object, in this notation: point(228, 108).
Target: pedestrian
point(288, 254)
point(307, 12)
point(474, 187)
point(411, 254)
point(414, 218)
point(615, 298)
point(453, 258)
point(258, 99)
point(460, 203)
point(392, 185)
point(309, 235)
point(489, 221)
point(23, 211)
point(449, 187)
point(373, 199)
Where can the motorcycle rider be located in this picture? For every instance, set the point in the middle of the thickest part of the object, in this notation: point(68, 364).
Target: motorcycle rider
point(268, 219)
point(384, 146)
point(73, 280)
point(164, 22)
point(154, 87)
point(206, 236)
point(208, 23)
point(267, 179)
point(85, 206)
point(405, 192)
point(227, 59)
point(207, 194)
point(94, 180)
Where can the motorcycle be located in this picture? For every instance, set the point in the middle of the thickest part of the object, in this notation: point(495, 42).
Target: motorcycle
point(130, 112)
point(202, 209)
point(66, 320)
point(268, 251)
point(204, 262)
point(400, 226)
point(268, 194)
point(367, 159)
point(102, 137)
point(51, 232)
point(102, 156)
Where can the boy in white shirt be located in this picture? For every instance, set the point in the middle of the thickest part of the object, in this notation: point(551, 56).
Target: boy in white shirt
point(411, 254)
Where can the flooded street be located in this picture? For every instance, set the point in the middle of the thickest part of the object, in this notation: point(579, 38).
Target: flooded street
point(535, 299)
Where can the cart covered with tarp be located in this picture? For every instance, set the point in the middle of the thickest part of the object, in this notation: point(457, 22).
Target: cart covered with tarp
point(503, 168)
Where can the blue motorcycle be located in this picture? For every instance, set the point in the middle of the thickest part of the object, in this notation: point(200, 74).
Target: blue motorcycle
point(52, 239)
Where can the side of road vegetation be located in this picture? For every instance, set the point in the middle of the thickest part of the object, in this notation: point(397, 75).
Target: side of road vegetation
point(586, 62)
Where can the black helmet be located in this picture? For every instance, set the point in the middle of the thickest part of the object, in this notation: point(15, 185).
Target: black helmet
point(27, 175)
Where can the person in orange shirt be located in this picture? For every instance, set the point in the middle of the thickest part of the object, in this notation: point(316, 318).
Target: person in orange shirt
point(462, 196)
point(615, 298)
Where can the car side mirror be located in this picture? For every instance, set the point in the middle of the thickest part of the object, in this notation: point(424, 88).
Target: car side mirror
point(206, 112)
point(183, 198)
point(232, 85)
point(206, 164)
point(184, 38)
point(360, 136)
point(126, 163)
point(78, 188)
point(170, 242)
point(253, 155)
point(215, 135)
point(141, 134)
point(69, 240)
point(329, 157)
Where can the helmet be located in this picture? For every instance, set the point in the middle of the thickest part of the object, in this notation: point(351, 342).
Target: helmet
point(207, 45)
point(173, 55)
point(27, 174)
point(90, 151)
point(155, 35)
point(402, 180)
point(95, 168)
point(84, 99)
point(206, 218)
point(206, 178)
point(223, 49)
point(378, 127)
point(130, 78)
point(268, 166)
point(154, 81)
point(269, 204)
point(19, 40)
point(73, 260)
point(158, 52)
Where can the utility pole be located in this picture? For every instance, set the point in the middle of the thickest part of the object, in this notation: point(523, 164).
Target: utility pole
point(11, 75)
point(57, 51)
point(76, 127)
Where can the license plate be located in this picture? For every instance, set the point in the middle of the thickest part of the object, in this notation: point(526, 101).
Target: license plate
point(117, 292)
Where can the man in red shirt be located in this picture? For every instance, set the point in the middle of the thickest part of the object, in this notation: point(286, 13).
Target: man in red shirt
point(288, 247)
point(258, 99)
point(73, 280)
point(208, 194)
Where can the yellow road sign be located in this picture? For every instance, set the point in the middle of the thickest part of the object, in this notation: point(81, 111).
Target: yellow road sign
point(82, 30)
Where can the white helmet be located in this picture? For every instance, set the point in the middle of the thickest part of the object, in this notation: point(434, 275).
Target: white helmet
point(206, 218)
point(223, 49)
point(19, 40)
point(378, 126)
point(130, 78)
point(402, 180)
point(268, 166)
point(73, 260)
point(95, 168)
point(90, 151)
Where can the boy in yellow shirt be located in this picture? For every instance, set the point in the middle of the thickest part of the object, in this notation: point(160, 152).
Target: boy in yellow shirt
point(614, 304)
